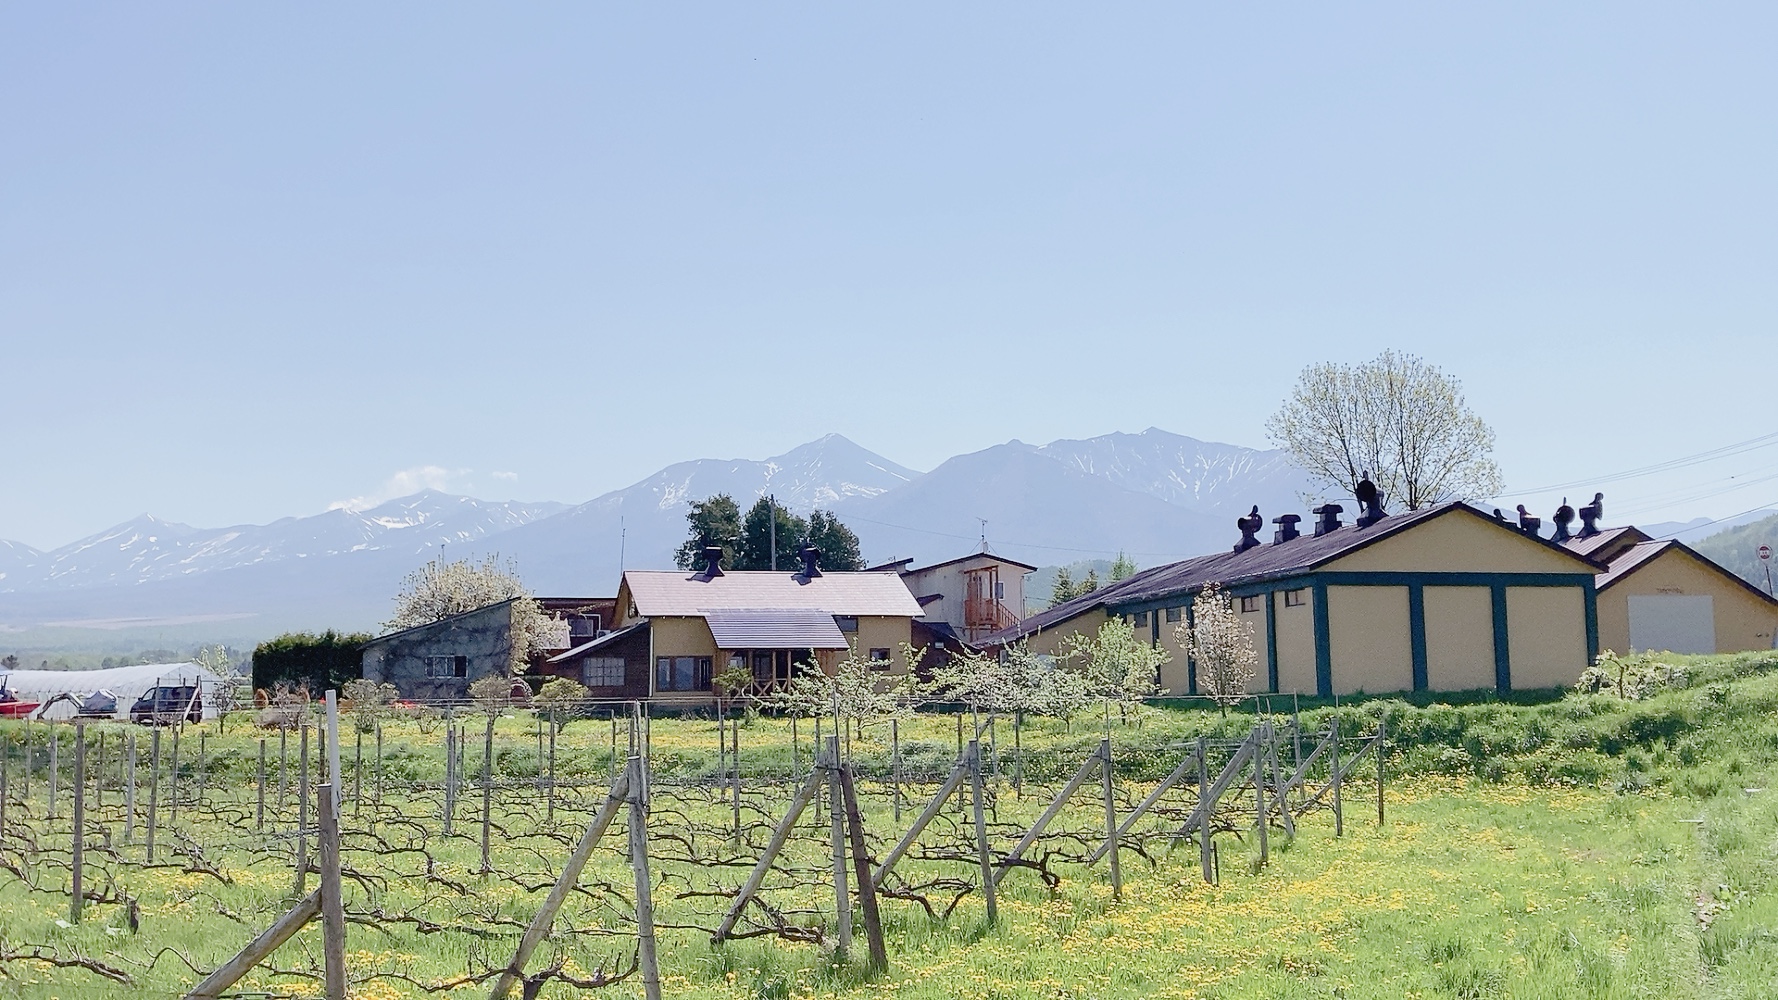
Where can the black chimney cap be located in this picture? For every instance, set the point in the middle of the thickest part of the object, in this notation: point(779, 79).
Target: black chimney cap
point(811, 556)
point(712, 561)
point(1286, 528)
point(1327, 518)
point(1249, 526)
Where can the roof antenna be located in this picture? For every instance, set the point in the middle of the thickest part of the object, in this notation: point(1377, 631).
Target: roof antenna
point(984, 533)
point(622, 537)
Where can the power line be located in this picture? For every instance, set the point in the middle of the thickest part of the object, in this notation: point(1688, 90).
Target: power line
point(1684, 461)
point(1719, 520)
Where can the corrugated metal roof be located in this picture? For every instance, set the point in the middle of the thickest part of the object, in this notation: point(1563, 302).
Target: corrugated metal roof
point(1257, 564)
point(1642, 553)
point(679, 593)
point(775, 628)
point(1605, 539)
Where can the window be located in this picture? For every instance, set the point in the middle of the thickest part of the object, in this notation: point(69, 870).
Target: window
point(1296, 598)
point(879, 658)
point(682, 673)
point(447, 666)
point(1141, 619)
point(1249, 604)
point(602, 671)
point(1173, 614)
point(999, 591)
point(846, 623)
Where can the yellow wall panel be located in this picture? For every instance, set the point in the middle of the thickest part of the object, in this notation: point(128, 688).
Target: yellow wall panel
point(1459, 638)
point(1369, 639)
point(1546, 636)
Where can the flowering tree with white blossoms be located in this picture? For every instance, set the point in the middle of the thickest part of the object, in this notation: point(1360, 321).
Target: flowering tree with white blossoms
point(1221, 643)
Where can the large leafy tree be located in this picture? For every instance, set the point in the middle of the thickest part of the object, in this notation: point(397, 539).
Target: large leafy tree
point(747, 540)
point(1398, 418)
point(713, 521)
point(838, 545)
point(758, 537)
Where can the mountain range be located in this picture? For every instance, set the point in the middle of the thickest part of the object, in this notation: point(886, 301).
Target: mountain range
point(1154, 495)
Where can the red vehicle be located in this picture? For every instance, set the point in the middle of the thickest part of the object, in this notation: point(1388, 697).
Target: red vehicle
point(12, 706)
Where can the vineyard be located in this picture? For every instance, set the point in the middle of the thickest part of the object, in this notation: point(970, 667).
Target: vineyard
point(936, 855)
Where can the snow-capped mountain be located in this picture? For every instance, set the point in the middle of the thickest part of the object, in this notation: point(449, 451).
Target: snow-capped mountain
point(1204, 476)
point(582, 550)
point(1153, 495)
point(146, 548)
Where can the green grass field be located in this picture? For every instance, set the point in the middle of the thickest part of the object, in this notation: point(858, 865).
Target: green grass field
point(1578, 847)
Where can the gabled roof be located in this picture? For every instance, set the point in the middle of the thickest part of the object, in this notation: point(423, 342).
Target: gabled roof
point(1642, 553)
point(617, 635)
point(684, 594)
point(1257, 564)
point(449, 619)
point(1027, 567)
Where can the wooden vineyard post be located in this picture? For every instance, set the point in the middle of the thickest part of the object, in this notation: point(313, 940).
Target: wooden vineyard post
point(55, 770)
point(550, 804)
point(1018, 751)
point(333, 910)
point(173, 774)
point(842, 897)
point(98, 774)
point(358, 772)
point(955, 781)
point(1380, 743)
point(1090, 765)
point(1333, 727)
point(796, 753)
point(203, 764)
point(259, 806)
point(895, 767)
point(129, 790)
point(867, 894)
point(541, 921)
point(1111, 839)
point(1259, 796)
point(645, 949)
point(450, 780)
point(154, 787)
point(960, 791)
point(4, 749)
point(1204, 828)
point(379, 769)
point(1281, 790)
point(611, 762)
point(333, 750)
point(981, 831)
point(302, 809)
point(283, 763)
point(820, 748)
point(735, 761)
point(487, 792)
point(75, 889)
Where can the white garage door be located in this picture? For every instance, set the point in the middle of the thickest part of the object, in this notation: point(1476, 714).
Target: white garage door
point(1676, 623)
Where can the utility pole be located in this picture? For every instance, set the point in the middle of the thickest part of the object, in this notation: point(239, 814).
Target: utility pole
point(772, 528)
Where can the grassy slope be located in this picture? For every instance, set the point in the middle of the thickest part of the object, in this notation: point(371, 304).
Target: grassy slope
point(1543, 850)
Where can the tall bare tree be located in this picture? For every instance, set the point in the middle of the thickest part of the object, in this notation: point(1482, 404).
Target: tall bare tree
point(1398, 418)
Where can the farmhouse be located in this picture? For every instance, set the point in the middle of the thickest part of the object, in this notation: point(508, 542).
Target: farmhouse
point(1445, 598)
point(690, 625)
point(439, 660)
point(976, 595)
point(1663, 595)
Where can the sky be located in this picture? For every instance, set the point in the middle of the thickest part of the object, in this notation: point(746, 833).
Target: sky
point(257, 260)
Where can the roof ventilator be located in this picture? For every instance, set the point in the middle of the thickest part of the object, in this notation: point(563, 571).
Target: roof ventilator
point(1249, 526)
point(712, 562)
point(1590, 515)
point(1527, 523)
point(1327, 518)
point(1564, 518)
point(1286, 528)
point(1370, 502)
point(810, 556)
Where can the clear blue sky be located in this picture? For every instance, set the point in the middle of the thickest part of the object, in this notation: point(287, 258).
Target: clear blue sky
point(257, 258)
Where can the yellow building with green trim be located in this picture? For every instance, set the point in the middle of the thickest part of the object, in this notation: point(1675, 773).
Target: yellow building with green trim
point(1445, 598)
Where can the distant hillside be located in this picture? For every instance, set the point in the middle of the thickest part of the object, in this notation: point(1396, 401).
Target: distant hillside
point(1738, 548)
